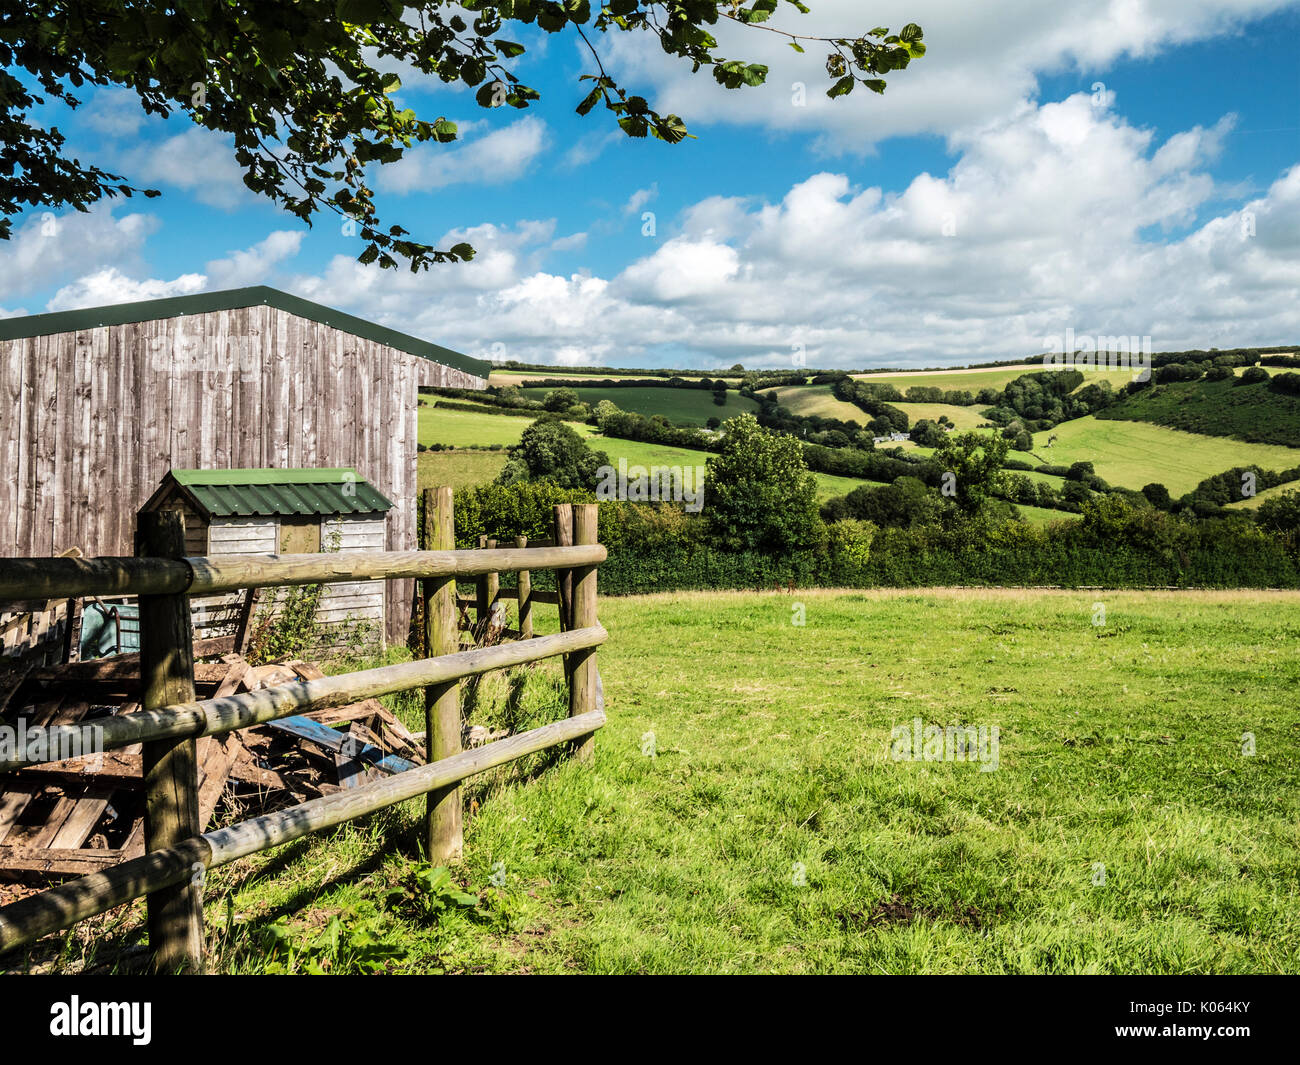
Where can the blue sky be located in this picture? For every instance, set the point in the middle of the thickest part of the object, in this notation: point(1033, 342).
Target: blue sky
point(1129, 168)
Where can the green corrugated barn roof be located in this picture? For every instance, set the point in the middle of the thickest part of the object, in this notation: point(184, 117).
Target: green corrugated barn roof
point(36, 325)
point(276, 493)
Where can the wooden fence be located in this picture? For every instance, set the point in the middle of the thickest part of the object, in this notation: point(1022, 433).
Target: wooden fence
point(178, 853)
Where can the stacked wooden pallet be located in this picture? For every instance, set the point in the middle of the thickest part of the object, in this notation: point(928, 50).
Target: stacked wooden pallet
point(85, 813)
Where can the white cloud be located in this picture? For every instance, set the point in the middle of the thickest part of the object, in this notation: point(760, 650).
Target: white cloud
point(254, 265)
point(1043, 222)
point(982, 59)
point(640, 198)
point(49, 247)
point(197, 161)
point(499, 156)
point(108, 286)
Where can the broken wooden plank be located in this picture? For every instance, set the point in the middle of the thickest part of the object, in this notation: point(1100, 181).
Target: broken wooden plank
point(85, 816)
point(122, 768)
point(66, 862)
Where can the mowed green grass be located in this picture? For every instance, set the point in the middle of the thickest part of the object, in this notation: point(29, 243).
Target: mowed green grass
point(681, 406)
point(1134, 454)
point(743, 813)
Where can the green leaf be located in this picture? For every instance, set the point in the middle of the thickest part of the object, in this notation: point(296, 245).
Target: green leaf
point(910, 32)
point(841, 88)
point(797, 47)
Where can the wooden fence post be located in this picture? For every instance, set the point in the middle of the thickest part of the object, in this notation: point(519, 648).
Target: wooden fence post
point(443, 840)
point(563, 536)
point(175, 914)
point(525, 596)
point(486, 588)
point(582, 664)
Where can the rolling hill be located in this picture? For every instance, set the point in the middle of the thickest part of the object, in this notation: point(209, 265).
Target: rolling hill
point(1255, 413)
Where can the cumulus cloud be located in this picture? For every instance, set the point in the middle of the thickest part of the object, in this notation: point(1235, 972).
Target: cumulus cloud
point(198, 162)
point(492, 158)
point(49, 247)
point(982, 60)
point(254, 265)
point(1044, 222)
point(109, 285)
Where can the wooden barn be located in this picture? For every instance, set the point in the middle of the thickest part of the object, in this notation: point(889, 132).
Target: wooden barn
point(98, 405)
point(288, 512)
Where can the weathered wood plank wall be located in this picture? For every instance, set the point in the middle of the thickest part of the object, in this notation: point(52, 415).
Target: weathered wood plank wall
point(92, 420)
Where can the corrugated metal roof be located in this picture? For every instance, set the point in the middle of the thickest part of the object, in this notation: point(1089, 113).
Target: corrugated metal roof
point(230, 299)
point(281, 493)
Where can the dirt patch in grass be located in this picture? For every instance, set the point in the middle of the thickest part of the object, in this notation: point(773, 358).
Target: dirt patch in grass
point(895, 910)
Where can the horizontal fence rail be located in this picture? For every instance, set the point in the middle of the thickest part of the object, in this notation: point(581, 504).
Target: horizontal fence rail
point(209, 717)
point(23, 922)
point(68, 578)
point(169, 873)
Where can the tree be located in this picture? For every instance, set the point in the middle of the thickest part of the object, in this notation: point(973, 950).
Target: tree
point(306, 87)
point(560, 399)
point(605, 411)
point(759, 495)
point(974, 461)
point(1157, 495)
point(906, 503)
point(549, 450)
point(720, 393)
point(927, 434)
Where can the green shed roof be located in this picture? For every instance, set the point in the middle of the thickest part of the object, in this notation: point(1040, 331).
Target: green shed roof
point(38, 325)
point(278, 493)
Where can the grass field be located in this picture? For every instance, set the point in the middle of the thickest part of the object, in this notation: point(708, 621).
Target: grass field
point(461, 428)
point(502, 378)
point(1123, 830)
point(974, 380)
point(681, 406)
point(458, 468)
point(1267, 493)
point(1252, 412)
point(1133, 454)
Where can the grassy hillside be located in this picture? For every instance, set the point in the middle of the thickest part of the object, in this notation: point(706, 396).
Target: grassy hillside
point(1132, 454)
point(771, 831)
point(974, 380)
point(681, 406)
point(518, 377)
point(1268, 493)
point(1253, 413)
point(819, 400)
point(462, 428)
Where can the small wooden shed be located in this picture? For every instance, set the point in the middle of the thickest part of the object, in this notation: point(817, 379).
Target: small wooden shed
point(282, 512)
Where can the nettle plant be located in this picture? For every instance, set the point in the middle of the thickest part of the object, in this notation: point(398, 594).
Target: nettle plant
point(308, 88)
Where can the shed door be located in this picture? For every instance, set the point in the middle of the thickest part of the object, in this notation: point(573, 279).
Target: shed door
point(299, 536)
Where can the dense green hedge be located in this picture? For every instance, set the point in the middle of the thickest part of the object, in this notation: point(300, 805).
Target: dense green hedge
point(660, 548)
point(1024, 556)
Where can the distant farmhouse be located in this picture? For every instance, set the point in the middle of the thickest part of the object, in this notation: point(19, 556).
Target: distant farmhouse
point(97, 406)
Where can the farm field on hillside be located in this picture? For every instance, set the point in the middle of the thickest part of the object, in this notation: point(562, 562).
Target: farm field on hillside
point(640, 453)
point(501, 378)
point(819, 400)
point(1266, 493)
point(458, 468)
point(744, 816)
point(1133, 454)
point(460, 428)
point(681, 406)
point(1218, 408)
point(962, 417)
point(974, 380)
